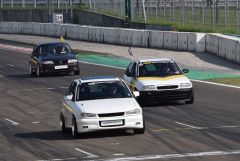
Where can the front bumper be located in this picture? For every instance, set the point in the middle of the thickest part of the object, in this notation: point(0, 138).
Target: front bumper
point(50, 68)
point(93, 124)
point(165, 95)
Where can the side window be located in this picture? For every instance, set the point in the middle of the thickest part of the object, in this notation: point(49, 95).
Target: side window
point(131, 70)
point(72, 89)
point(36, 51)
point(128, 71)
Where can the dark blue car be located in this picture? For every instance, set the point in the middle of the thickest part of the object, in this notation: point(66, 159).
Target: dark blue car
point(53, 58)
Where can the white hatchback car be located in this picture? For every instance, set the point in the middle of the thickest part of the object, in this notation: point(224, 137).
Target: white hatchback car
point(100, 103)
point(159, 80)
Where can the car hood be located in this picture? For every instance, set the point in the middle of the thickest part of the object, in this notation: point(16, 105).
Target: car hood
point(60, 57)
point(170, 80)
point(108, 105)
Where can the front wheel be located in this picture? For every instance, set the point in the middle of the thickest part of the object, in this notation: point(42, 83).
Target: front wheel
point(74, 128)
point(191, 99)
point(31, 70)
point(62, 124)
point(140, 131)
point(38, 71)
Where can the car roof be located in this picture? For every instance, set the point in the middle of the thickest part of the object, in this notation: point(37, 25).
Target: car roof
point(98, 79)
point(154, 60)
point(51, 43)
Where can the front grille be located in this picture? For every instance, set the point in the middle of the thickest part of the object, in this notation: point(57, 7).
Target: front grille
point(167, 87)
point(111, 114)
point(64, 62)
point(155, 96)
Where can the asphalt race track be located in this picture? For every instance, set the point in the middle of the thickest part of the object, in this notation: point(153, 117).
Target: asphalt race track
point(208, 130)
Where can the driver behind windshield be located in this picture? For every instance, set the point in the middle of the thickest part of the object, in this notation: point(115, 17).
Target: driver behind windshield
point(158, 69)
point(55, 49)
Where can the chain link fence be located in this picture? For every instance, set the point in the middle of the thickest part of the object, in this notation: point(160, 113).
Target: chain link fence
point(184, 15)
point(189, 15)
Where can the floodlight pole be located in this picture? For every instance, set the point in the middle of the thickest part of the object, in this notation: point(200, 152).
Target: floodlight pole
point(144, 11)
point(128, 10)
point(35, 4)
point(23, 3)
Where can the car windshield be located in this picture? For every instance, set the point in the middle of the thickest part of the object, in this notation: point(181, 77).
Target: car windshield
point(102, 90)
point(55, 49)
point(158, 69)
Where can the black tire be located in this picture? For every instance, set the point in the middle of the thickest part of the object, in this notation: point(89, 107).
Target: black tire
point(62, 124)
point(74, 128)
point(140, 131)
point(191, 99)
point(38, 73)
point(141, 101)
point(31, 70)
point(77, 72)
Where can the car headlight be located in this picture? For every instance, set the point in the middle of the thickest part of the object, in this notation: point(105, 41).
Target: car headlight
point(47, 62)
point(185, 85)
point(133, 112)
point(149, 87)
point(72, 61)
point(89, 115)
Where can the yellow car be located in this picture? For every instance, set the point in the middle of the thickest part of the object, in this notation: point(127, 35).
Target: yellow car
point(159, 80)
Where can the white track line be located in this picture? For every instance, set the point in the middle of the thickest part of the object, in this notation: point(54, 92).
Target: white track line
point(89, 154)
point(102, 65)
point(218, 84)
point(35, 122)
point(11, 121)
point(119, 154)
point(233, 126)
point(191, 126)
point(172, 156)
point(11, 65)
point(63, 87)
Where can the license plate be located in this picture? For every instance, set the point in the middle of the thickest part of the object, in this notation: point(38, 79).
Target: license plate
point(61, 67)
point(112, 123)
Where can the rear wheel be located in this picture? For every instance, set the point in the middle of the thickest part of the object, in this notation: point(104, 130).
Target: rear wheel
point(74, 128)
point(62, 124)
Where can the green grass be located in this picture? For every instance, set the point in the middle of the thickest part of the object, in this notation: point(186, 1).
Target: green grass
point(191, 23)
point(217, 26)
point(229, 81)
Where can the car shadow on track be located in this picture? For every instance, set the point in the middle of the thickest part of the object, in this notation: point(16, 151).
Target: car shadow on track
point(57, 135)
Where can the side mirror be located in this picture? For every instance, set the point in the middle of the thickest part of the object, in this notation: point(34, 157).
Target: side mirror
point(136, 93)
point(185, 70)
point(68, 97)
